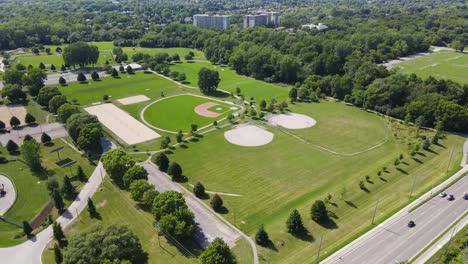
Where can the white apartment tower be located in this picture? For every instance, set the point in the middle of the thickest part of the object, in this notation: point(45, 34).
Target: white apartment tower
point(262, 19)
point(211, 21)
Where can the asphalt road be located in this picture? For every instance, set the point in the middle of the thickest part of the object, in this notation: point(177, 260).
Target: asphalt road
point(395, 241)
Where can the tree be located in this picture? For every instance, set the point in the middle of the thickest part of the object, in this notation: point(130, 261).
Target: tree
point(58, 254)
point(188, 57)
point(362, 185)
point(58, 201)
point(42, 66)
point(92, 208)
point(217, 252)
point(95, 76)
point(238, 90)
point(11, 146)
point(165, 142)
point(30, 150)
point(216, 202)
point(199, 190)
point(46, 94)
point(116, 162)
point(45, 138)
point(179, 136)
point(175, 170)
point(52, 67)
point(263, 104)
point(14, 122)
point(176, 57)
point(294, 223)
point(27, 229)
point(426, 144)
point(34, 80)
point(129, 69)
point(76, 121)
point(63, 68)
point(162, 161)
point(293, 94)
point(65, 111)
point(261, 237)
point(98, 244)
point(208, 80)
point(13, 76)
point(52, 185)
point(14, 93)
point(138, 188)
point(81, 54)
point(167, 203)
point(193, 127)
point(136, 172)
point(62, 81)
point(115, 73)
point(89, 138)
point(435, 139)
point(120, 56)
point(58, 232)
point(319, 211)
point(29, 119)
point(56, 102)
point(2, 125)
point(178, 224)
point(68, 190)
point(81, 77)
point(148, 197)
point(28, 137)
point(80, 175)
point(457, 45)
point(121, 69)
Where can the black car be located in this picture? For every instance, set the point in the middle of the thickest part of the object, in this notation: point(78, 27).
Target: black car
point(411, 224)
point(465, 196)
point(451, 197)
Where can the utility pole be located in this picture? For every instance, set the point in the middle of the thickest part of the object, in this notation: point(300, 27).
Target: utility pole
point(450, 159)
point(375, 210)
point(450, 240)
point(320, 247)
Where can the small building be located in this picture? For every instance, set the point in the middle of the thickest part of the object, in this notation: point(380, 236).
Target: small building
point(135, 66)
point(320, 26)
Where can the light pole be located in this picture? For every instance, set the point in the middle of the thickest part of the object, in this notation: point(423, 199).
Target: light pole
point(320, 247)
point(375, 210)
point(414, 183)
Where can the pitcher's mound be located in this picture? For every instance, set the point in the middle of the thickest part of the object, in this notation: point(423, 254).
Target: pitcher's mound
point(248, 136)
point(292, 121)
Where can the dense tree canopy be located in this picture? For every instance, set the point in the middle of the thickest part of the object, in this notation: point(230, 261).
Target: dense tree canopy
point(80, 54)
point(117, 162)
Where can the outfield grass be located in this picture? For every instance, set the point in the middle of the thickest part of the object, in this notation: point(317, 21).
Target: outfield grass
point(230, 80)
point(288, 174)
point(56, 59)
point(441, 65)
point(150, 85)
point(31, 189)
point(116, 207)
point(177, 113)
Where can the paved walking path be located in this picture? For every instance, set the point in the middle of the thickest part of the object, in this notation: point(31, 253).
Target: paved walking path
point(54, 130)
point(8, 199)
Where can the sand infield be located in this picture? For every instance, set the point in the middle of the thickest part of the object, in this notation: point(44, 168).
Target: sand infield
point(6, 112)
point(203, 110)
point(248, 136)
point(122, 124)
point(133, 99)
point(291, 121)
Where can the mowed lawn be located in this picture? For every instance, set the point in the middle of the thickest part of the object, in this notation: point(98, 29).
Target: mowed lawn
point(199, 55)
point(115, 206)
point(447, 65)
point(178, 113)
point(288, 174)
point(31, 190)
point(230, 80)
point(150, 85)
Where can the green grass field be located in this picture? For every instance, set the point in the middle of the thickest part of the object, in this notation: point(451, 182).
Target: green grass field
point(150, 85)
point(440, 65)
point(457, 247)
point(177, 113)
point(288, 174)
point(31, 189)
point(171, 51)
point(230, 80)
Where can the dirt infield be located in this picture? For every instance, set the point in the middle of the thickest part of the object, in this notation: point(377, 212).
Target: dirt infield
point(130, 130)
point(248, 136)
point(291, 121)
point(203, 110)
point(6, 112)
point(133, 99)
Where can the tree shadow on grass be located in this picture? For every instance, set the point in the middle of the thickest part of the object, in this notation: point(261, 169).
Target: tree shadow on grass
point(432, 151)
point(402, 171)
point(183, 146)
point(219, 94)
point(404, 162)
point(365, 189)
point(304, 235)
point(328, 223)
point(421, 154)
point(383, 179)
point(369, 181)
point(222, 210)
point(418, 160)
point(194, 139)
point(349, 203)
point(205, 196)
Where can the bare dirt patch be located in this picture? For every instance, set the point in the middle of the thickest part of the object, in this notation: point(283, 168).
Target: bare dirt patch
point(248, 136)
point(122, 124)
point(292, 121)
point(203, 110)
point(133, 99)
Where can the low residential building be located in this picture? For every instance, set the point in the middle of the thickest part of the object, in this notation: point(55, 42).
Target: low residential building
point(211, 21)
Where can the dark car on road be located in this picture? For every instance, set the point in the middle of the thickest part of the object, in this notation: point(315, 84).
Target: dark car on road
point(465, 196)
point(411, 224)
point(451, 197)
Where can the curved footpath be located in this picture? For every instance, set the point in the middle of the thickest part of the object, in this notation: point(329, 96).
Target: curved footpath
point(7, 200)
point(392, 241)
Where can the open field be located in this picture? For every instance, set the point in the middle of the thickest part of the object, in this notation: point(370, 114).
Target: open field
point(31, 189)
point(230, 80)
point(177, 113)
point(171, 51)
point(150, 85)
point(287, 173)
point(457, 247)
point(441, 65)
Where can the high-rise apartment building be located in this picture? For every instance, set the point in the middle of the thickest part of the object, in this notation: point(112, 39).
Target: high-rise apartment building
point(211, 21)
point(262, 19)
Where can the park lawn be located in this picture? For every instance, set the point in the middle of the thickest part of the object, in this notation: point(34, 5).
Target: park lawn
point(449, 65)
point(31, 190)
point(287, 174)
point(130, 51)
point(115, 206)
point(455, 246)
point(140, 83)
point(230, 80)
point(36, 110)
point(177, 113)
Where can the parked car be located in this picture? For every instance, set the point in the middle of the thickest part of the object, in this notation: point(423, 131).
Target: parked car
point(451, 197)
point(443, 194)
point(411, 223)
point(465, 196)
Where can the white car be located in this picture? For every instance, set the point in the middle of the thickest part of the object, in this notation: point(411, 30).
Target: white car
point(443, 194)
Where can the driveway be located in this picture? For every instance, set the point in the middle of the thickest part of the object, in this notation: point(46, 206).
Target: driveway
point(54, 130)
point(70, 76)
point(208, 226)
